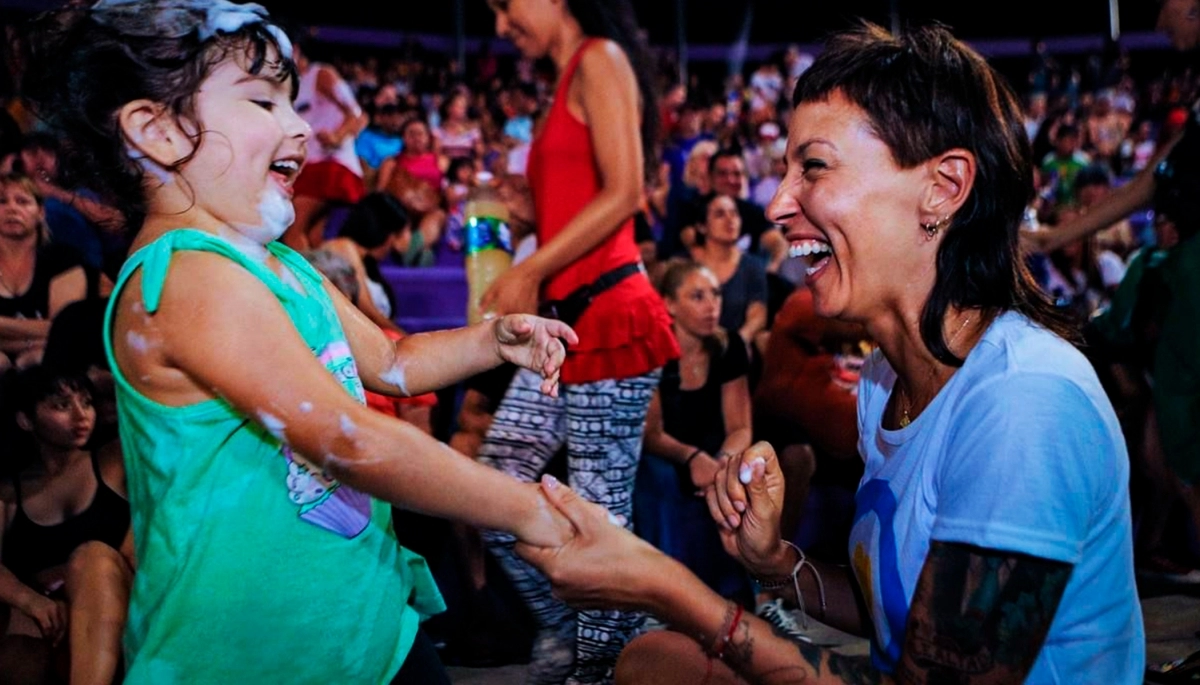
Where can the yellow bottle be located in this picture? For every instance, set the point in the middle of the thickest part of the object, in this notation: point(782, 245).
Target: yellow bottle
point(489, 248)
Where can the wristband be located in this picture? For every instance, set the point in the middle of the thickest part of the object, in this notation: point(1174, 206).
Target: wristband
point(693, 455)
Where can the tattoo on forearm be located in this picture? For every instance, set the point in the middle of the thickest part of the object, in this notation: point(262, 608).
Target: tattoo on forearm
point(978, 611)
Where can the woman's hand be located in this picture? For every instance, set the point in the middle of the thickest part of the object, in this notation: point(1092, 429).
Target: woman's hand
point(514, 292)
point(547, 527)
point(746, 501)
point(536, 344)
point(50, 615)
point(603, 565)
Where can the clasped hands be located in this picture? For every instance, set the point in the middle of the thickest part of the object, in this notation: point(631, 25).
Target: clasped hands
point(603, 564)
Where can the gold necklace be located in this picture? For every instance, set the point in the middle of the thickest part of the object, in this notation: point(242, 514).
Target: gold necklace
point(905, 404)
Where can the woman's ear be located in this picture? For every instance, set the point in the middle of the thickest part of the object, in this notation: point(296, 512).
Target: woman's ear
point(152, 133)
point(951, 178)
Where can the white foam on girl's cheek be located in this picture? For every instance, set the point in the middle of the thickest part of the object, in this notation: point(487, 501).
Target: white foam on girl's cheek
point(273, 425)
point(276, 213)
point(306, 407)
point(395, 378)
point(349, 428)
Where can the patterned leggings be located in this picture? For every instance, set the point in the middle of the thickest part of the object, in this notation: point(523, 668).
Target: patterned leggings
point(602, 424)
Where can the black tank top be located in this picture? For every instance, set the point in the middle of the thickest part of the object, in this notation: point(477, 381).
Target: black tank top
point(30, 547)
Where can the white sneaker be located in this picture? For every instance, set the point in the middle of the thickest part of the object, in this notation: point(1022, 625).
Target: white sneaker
point(783, 620)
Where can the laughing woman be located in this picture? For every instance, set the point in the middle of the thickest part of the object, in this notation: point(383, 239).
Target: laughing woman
point(992, 537)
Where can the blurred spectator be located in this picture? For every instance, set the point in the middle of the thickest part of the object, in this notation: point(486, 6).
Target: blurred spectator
point(414, 178)
point(700, 413)
point(457, 134)
point(76, 216)
point(67, 563)
point(376, 228)
point(1063, 164)
point(333, 173)
point(37, 279)
point(742, 277)
point(807, 397)
point(380, 140)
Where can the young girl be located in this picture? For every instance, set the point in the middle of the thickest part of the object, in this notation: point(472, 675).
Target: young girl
point(259, 482)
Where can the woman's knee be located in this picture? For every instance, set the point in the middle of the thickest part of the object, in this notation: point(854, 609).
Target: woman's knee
point(96, 562)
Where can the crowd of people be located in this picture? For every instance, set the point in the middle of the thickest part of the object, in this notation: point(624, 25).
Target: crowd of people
point(966, 301)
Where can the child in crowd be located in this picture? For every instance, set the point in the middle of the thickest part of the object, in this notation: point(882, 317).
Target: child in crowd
point(260, 484)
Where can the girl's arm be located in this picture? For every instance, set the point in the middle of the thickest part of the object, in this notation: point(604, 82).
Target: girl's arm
point(609, 97)
point(224, 332)
point(425, 362)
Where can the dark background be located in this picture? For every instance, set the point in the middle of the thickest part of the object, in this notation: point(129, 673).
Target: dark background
point(721, 21)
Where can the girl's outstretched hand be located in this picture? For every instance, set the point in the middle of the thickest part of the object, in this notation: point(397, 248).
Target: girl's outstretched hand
point(537, 344)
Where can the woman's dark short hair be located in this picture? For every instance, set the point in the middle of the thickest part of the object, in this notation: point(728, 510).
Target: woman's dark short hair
point(374, 220)
point(924, 93)
point(86, 62)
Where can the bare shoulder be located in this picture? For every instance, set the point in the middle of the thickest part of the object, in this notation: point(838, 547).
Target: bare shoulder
point(604, 59)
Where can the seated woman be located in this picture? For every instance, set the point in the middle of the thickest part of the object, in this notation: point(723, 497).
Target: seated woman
point(415, 178)
point(376, 228)
point(37, 279)
point(66, 552)
point(743, 277)
point(700, 414)
point(992, 540)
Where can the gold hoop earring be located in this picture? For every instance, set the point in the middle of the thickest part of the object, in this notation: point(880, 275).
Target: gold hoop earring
point(931, 229)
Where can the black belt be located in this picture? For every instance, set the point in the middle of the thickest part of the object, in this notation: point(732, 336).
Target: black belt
point(570, 308)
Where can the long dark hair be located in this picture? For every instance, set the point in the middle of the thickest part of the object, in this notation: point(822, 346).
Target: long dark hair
point(926, 92)
point(85, 63)
point(616, 21)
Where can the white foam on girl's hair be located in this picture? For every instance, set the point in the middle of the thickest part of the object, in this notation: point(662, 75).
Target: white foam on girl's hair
point(306, 407)
point(349, 428)
point(395, 378)
point(273, 424)
point(138, 342)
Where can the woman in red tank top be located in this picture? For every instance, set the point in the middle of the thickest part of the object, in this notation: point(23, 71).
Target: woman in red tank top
point(586, 169)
